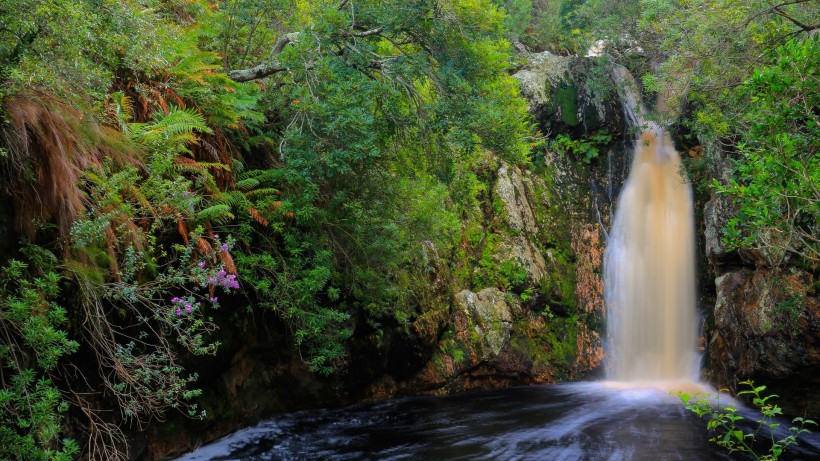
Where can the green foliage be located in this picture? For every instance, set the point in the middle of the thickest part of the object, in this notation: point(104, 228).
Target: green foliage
point(724, 423)
point(586, 148)
point(73, 48)
point(519, 17)
point(334, 184)
point(778, 168)
point(34, 342)
point(380, 137)
point(172, 131)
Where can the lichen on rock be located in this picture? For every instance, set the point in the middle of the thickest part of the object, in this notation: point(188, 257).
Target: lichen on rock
point(490, 313)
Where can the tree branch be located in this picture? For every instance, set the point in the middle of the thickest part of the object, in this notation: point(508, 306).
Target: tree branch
point(795, 21)
point(368, 33)
point(254, 73)
point(266, 68)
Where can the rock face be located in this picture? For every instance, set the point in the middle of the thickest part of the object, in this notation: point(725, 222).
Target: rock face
point(766, 314)
point(570, 94)
point(510, 189)
point(716, 215)
point(535, 308)
point(489, 313)
point(765, 324)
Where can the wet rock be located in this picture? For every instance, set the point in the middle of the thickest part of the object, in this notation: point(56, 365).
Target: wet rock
point(716, 214)
point(589, 291)
point(519, 216)
point(490, 314)
point(542, 72)
point(569, 94)
point(766, 324)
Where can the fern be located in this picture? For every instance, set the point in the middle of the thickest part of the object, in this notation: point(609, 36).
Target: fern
point(174, 130)
point(231, 198)
point(191, 165)
point(123, 108)
point(179, 121)
point(247, 184)
point(195, 66)
point(216, 214)
point(261, 193)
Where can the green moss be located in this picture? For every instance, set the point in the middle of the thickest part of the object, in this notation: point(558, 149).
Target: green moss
point(559, 285)
point(438, 365)
point(566, 97)
point(552, 347)
point(456, 350)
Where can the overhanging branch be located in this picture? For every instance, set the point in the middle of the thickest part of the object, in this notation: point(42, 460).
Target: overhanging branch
point(266, 68)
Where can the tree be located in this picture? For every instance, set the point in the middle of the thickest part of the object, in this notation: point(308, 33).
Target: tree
point(777, 172)
point(303, 152)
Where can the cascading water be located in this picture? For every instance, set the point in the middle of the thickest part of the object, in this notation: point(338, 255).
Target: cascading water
point(649, 266)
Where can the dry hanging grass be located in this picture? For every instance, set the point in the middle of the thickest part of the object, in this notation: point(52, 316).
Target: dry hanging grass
point(45, 161)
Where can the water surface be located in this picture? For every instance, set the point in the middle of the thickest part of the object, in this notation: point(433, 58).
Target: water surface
point(571, 421)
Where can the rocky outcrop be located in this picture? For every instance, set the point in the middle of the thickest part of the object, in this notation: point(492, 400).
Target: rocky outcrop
point(519, 216)
point(766, 314)
point(766, 324)
point(540, 74)
point(494, 341)
point(489, 314)
point(570, 94)
point(716, 214)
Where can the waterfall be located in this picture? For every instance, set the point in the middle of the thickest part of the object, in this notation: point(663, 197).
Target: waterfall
point(649, 265)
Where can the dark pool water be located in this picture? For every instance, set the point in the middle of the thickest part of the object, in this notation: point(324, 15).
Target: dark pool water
point(573, 421)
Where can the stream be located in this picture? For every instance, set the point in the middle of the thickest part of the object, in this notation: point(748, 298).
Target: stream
point(568, 421)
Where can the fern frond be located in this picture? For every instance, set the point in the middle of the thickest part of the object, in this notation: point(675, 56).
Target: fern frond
point(123, 107)
point(182, 228)
point(189, 164)
point(227, 260)
point(237, 166)
point(181, 121)
point(257, 216)
point(231, 198)
point(217, 214)
point(247, 184)
point(176, 127)
point(256, 193)
point(194, 65)
point(203, 246)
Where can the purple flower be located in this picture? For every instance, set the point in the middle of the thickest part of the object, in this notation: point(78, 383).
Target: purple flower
point(225, 247)
point(213, 299)
point(202, 264)
point(185, 193)
point(188, 307)
point(179, 312)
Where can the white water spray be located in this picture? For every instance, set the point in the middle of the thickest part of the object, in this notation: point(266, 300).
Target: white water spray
point(649, 266)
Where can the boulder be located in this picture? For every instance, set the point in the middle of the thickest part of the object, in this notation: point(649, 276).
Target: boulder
point(766, 323)
point(490, 315)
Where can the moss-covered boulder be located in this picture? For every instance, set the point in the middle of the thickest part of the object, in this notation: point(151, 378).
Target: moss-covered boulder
point(570, 94)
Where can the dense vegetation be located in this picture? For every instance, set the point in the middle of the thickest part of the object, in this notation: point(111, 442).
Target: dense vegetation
point(155, 170)
point(168, 157)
